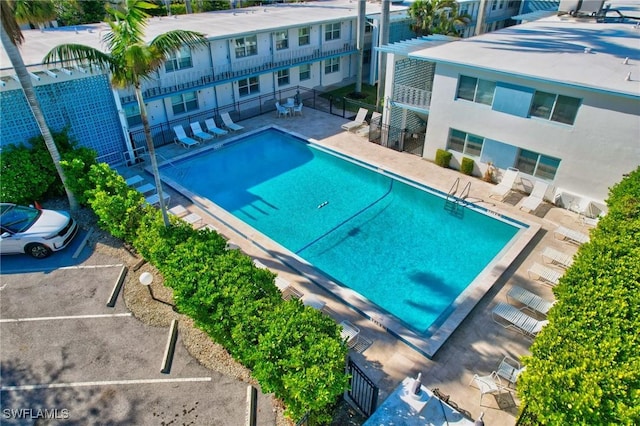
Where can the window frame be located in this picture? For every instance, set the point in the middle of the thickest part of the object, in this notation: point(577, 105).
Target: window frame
point(249, 85)
point(540, 167)
point(470, 147)
point(282, 75)
point(246, 46)
point(550, 110)
point(283, 43)
point(304, 75)
point(330, 31)
point(179, 60)
point(302, 36)
point(188, 102)
point(331, 65)
point(479, 97)
point(132, 114)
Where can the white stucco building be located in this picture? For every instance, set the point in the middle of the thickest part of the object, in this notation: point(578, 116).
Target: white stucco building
point(557, 98)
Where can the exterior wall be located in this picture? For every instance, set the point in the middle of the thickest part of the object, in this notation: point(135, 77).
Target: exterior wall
point(84, 104)
point(595, 151)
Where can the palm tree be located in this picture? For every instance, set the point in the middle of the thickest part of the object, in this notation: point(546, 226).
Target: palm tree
point(130, 60)
point(437, 17)
point(14, 12)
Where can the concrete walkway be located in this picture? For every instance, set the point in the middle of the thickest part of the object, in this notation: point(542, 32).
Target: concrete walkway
point(478, 344)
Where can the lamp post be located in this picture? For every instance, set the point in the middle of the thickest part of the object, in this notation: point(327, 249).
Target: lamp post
point(146, 279)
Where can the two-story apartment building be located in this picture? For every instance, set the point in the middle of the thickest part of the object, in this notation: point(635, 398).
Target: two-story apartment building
point(558, 99)
point(252, 54)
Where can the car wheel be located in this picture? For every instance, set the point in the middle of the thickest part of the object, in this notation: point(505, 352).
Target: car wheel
point(39, 251)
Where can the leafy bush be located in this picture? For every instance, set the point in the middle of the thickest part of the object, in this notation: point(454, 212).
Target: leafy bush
point(466, 167)
point(584, 366)
point(119, 208)
point(443, 158)
point(28, 173)
point(294, 351)
point(77, 165)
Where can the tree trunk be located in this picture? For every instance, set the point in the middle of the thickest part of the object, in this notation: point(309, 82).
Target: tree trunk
point(152, 153)
point(27, 87)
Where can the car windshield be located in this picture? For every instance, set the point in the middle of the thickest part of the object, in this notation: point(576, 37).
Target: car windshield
point(16, 219)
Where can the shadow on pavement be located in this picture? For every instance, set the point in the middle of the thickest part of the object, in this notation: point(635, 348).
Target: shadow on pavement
point(23, 263)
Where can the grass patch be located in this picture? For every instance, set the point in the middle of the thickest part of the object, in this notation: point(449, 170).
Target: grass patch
point(368, 93)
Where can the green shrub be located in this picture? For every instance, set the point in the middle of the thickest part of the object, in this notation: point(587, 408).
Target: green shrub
point(28, 173)
point(76, 165)
point(466, 167)
point(119, 208)
point(443, 158)
point(584, 366)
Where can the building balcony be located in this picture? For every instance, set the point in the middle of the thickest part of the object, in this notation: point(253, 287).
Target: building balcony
point(411, 96)
point(181, 81)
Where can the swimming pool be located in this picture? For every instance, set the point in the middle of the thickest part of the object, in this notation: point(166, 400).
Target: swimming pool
point(387, 239)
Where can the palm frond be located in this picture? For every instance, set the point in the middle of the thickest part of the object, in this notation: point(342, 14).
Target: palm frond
point(9, 23)
point(26, 11)
point(78, 54)
point(171, 41)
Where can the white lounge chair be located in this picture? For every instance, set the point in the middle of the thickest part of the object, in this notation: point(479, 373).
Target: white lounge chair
point(509, 369)
point(544, 274)
point(213, 128)
point(282, 111)
point(505, 186)
point(570, 235)
point(374, 124)
point(155, 199)
point(182, 138)
point(536, 197)
point(228, 122)
point(357, 122)
point(487, 384)
point(551, 255)
point(288, 292)
point(349, 333)
point(511, 317)
point(199, 133)
point(531, 301)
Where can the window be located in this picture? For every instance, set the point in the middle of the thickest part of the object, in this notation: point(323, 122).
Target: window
point(465, 143)
point(305, 72)
point(494, 3)
point(282, 40)
point(246, 46)
point(248, 86)
point(332, 31)
point(179, 60)
point(537, 165)
point(283, 77)
point(133, 115)
point(332, 65)
point(304, 36)
point(476, 90)
point(501, 4)
point(184, 103)
point(368, 27)
point(550, 106)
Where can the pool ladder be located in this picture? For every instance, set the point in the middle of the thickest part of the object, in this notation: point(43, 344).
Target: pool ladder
point(453, 204)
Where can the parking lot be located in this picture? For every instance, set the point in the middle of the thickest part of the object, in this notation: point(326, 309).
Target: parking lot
point(68, 357)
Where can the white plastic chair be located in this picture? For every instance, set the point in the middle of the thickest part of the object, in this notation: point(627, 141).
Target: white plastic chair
point(490, 384)
point(536, 197)
point(297, 110)
point(505, 186)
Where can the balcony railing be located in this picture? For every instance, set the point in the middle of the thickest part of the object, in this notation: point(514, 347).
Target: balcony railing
point(411, 96)
point(198, 79)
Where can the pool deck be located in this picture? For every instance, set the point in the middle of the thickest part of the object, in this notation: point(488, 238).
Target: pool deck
point(478, 343)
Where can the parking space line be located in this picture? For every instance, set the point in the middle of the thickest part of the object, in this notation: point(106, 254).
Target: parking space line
point(103, 383)
point(6, 320)
point(115, 265)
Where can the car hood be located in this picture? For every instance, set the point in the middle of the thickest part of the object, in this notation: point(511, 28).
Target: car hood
point(49, 222)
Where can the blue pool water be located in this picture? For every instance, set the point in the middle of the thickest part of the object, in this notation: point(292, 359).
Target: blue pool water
point(391, 242)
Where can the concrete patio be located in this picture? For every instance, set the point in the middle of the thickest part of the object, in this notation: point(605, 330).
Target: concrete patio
point(478, 344)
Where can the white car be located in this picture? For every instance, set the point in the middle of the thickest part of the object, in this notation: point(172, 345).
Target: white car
point(34, 232)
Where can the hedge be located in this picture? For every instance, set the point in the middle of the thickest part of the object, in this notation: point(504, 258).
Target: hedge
point(294, 351)
point(584, 366)
point(443, 158)
point(466, 167)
